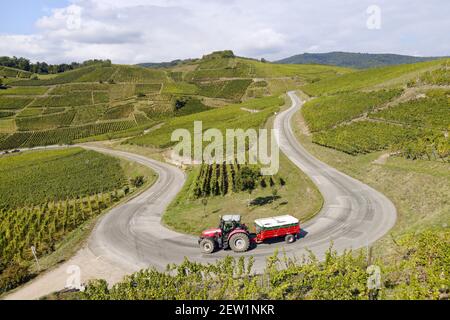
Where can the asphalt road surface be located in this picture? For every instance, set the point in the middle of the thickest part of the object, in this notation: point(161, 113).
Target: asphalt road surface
point(131, 237)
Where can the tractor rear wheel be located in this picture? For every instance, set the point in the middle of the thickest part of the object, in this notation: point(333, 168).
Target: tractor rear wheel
point(239, 242)
point(207, 246)
point(290, 238)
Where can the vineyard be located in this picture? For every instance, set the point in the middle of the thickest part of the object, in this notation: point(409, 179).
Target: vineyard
point(6, 114)
point(326, 112)
point(14, 103)
point(432, 112)
point(229, 117)
point(338, 277)
point(62, 135)
point(222, 179)
point(45, 195)
point(45, 122)
point(37, 177)
point(231, 89)
point(364, 137)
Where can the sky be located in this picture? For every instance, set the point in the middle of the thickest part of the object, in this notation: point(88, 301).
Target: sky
point(135, 31)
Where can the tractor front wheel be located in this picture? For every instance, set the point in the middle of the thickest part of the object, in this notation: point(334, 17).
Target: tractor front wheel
point(239, 242)
point(207, 246)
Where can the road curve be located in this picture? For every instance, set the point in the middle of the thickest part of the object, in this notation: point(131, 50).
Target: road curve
point(131, 237)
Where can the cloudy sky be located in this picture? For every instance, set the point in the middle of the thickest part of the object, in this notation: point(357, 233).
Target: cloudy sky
point(133, 31)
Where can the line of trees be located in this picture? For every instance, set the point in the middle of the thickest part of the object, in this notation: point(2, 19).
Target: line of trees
point(43, 67)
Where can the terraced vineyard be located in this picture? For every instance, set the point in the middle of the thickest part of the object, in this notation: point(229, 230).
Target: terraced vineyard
point(232, 116)
point(412, 121)
point(103, 98)
point(45, 195)
point(326, 112)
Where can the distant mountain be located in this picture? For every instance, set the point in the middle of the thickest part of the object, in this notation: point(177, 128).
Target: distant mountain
point(353, 60)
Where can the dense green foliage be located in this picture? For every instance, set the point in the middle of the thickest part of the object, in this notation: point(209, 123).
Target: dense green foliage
point(364, 136)
point(223, 179)
point(432, 112)
point(36, 177)
point(326, 112)
point(421, 272)
point(63, 135)
point(43, 67)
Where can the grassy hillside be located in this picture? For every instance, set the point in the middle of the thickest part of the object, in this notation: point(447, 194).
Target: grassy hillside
point(392, 76)
point(102, 100)
point(353, 60)
point(45, 196)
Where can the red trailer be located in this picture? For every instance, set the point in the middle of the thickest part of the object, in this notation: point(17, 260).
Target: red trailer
point(282, 226)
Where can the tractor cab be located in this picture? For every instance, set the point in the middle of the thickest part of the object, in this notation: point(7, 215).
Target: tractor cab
point(229, 222)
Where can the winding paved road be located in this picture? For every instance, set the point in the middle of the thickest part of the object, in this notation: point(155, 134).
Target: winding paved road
point(131, 236)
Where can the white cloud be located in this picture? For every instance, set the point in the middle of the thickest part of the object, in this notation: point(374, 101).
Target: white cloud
point(159, 30)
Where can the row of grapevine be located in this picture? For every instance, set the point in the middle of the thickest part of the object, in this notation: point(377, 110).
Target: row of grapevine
point(63, 135)
point(326, 112)
point(421, 273)
point(49, 121)
point(29, 179)
point(428, 146)
point(431, 112)
point(43, 227)
point(364, 137)
point(222, 179)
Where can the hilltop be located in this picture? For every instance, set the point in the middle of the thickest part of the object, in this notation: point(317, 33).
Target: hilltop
point(353, 60)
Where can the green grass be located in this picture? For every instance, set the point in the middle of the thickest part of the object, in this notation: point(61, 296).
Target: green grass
point(37, 177)
point(7, 125)
point(388, 76)
point(224, 118)
point(325, 112)
point(298, 197)
point(147, 88)
point(180, 88)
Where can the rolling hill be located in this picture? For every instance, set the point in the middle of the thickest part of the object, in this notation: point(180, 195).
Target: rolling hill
point(353, 60)
point(107, 100)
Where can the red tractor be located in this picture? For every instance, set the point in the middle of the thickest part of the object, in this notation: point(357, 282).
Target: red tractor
point(232, 234)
